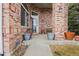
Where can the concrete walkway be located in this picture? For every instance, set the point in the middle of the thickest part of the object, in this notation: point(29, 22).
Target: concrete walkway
point(38, 46)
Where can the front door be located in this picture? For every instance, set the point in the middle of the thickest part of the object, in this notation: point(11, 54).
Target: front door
point(35, 24)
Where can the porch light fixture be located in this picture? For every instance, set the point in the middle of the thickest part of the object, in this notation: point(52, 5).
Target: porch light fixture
point(60, 9)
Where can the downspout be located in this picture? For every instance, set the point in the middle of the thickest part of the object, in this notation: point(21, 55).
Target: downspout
point(1, 36)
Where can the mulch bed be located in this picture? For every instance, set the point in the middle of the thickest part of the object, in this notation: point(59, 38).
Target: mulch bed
point(65, 50)
point(20, 51)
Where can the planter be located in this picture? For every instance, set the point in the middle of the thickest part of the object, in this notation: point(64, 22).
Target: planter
point(50, 36)
point(27, 36)
point(77, 37)
point(17, 42)
point(69, 35)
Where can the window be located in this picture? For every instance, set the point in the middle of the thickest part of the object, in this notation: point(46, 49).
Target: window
point(24, 17)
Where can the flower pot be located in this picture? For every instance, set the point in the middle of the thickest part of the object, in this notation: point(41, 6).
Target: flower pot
point(50, 36)
point(17, 42)
point(69, 35)
point(29, 32)
point(77, 38)
point(27, 36)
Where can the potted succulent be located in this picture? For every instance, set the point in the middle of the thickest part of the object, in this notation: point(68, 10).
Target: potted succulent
point(50, 35)
point(28, 34)
point(18, 39)
point(69, 35)
point(30, 31)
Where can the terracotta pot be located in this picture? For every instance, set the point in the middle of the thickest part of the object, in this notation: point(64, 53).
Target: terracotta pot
point(69, 35)
point(77, 37)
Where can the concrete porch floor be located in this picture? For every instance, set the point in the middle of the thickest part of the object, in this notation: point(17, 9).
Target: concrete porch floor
point(39, 45)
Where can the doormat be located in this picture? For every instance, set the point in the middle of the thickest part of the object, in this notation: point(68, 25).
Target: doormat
point(65, 50)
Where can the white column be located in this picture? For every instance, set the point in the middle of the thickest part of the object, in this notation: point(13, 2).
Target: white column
point(1, 39)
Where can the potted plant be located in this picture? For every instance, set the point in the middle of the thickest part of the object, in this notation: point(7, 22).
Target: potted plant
point(77, 37)
point(18, 39)
point(28, 34)
point(69, 35)
point(50, 35)
point(30, 31)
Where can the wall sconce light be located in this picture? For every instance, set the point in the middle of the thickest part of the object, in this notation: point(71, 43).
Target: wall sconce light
point(60, 9)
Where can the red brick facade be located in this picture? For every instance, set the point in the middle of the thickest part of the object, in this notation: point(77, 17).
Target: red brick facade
point(45, 19)
point(55, 18)
point(11, 26)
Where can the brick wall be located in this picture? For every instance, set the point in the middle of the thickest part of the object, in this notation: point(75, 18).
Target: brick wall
point(59, 19)
point(45, 18)
point(12, 22)
point(11, 26)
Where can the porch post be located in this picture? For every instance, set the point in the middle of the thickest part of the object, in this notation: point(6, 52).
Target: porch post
point(60, 19)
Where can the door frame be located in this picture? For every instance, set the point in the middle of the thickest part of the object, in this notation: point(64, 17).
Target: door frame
point(37, 29)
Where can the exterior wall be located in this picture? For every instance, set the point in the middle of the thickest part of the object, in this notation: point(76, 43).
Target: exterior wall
point(45, 19)
point(60, 17)
point(12, 22)
point(11, 26)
